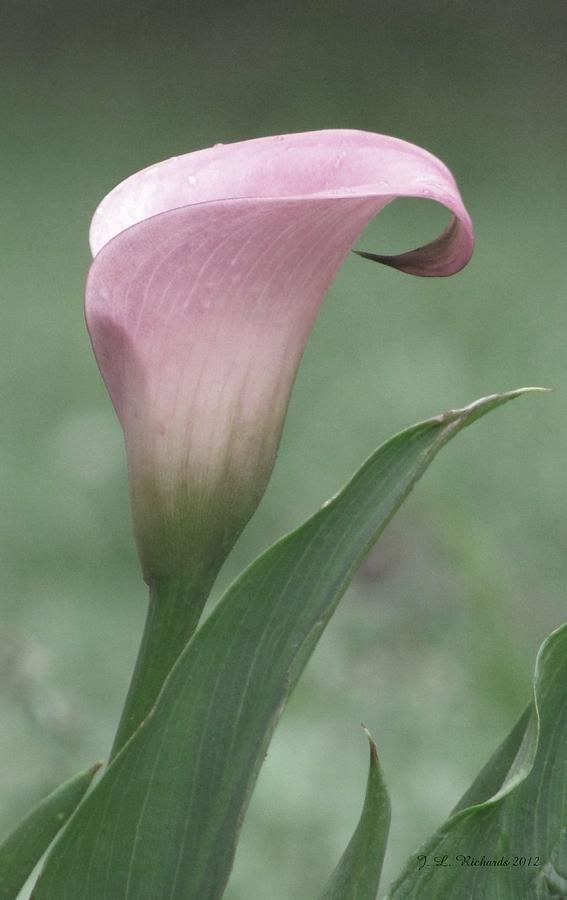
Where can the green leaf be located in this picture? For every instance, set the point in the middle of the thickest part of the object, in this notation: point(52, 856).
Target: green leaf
point(164, 820)
point(492, 776)
point(512, 844)
point(357, 875)
point(25, 845)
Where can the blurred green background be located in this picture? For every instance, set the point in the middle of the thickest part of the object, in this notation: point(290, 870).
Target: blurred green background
point(434, 645)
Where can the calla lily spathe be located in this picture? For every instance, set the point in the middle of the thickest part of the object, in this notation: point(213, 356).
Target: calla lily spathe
point(208, 274)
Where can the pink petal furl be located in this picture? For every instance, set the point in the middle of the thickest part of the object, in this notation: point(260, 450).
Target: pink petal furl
point(209, 272)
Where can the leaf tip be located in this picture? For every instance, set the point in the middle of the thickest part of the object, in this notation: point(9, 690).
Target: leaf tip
point(468, 414)
point(373, 746)
point(93, 771)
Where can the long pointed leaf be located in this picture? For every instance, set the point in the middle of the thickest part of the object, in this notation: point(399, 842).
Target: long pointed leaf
point(490, 779)
point(357, 875)
point(164, 820)
point(25, 845)
point(511, 845)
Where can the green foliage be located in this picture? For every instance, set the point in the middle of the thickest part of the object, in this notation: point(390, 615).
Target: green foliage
point(357, 875)
point(96, 91)
point(507, 839)
point(24, 847)
point(164, 820)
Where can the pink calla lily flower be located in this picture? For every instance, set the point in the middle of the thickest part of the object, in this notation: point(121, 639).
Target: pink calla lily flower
point(208, 274)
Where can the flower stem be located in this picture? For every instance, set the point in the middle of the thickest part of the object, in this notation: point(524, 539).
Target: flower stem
point(174, 611)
